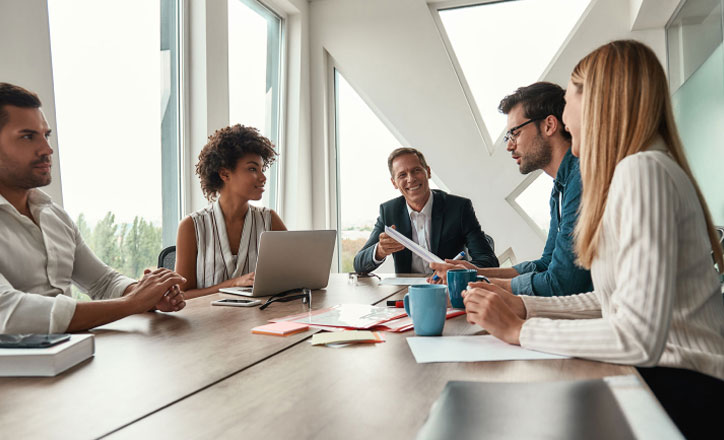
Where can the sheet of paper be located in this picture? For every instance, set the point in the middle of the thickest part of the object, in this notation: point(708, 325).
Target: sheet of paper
point(345, 337)
point(412, 246)
point(409, 281)
point(360, 316)
point(470, 349)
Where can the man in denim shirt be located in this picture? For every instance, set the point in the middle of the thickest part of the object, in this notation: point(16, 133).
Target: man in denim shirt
point(537, 139)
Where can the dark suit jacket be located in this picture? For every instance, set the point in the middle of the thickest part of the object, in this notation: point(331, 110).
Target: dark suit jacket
point(454, 226)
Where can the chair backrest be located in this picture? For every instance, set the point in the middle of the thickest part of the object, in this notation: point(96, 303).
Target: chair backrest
point(490, 241)
point(167, 258)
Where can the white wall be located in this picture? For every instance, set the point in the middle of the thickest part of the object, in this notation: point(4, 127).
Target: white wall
point(25, 61)
point(392, 53)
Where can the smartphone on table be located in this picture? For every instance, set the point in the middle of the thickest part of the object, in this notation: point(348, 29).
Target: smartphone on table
point(236, 302)
point(32, 340)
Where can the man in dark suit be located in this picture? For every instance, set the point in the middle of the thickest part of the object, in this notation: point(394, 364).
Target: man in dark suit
point(442, 223)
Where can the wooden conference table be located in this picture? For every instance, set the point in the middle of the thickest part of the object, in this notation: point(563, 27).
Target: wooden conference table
point(201, 373)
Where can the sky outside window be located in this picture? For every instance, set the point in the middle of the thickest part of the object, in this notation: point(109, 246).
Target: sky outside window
point(106, 76)
point(253, 71)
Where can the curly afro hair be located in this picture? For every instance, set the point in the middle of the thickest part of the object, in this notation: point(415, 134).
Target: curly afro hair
point(224, 149)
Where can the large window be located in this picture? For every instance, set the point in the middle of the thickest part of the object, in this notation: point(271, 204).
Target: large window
point(500, 46)
point(696, 76)
point(255, 36)
point(116, 92)
point(363, 179)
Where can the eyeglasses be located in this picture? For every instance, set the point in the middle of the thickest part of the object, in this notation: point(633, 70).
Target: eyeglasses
point(305, 296)
point(512, 134)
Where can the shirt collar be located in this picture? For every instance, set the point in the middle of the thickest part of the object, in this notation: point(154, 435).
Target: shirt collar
point(426, 210)
point(36, 198)
point(564, 170)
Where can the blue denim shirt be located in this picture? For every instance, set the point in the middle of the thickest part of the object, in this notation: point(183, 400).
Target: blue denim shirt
point(556, 272)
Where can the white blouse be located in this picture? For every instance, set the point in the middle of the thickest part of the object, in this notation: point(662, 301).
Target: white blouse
point(657, 297)
point(214, 261)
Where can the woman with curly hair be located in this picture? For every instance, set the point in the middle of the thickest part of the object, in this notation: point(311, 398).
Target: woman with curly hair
point(217, 246)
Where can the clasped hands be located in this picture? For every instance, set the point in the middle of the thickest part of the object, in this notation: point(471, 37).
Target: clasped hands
point(159, 289)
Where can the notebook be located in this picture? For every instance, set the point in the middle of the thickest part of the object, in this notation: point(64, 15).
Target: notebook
point(280, 328)
point(585, 409)
point(49, 361)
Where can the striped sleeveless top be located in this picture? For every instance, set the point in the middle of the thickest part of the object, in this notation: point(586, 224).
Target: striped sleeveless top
point(214, 261)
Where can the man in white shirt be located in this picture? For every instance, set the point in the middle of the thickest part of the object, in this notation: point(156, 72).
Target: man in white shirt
point(442, 223)
point(42, 250)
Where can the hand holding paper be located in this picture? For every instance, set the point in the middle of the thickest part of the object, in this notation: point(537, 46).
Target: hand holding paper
point(387, 245)
point(412, 246)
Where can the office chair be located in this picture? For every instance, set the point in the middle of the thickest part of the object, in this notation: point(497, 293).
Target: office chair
point(167, 258)
point(490, 241)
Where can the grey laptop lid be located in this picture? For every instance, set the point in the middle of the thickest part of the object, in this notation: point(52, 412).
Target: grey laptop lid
point(293, 260)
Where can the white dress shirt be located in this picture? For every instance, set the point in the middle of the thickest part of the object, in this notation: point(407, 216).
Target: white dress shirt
point(39, 262)
point(421, 223)
point(657, 298)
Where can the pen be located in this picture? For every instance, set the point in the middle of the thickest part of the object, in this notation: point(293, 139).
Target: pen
point(459, 256)
point(398, 304)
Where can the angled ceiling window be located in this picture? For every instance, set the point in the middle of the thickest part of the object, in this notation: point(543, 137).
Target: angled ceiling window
point(255, 36)
point(503, 45)
point(532, 200)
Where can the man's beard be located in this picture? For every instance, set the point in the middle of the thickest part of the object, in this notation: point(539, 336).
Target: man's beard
point(539, 156)
point(29, 180)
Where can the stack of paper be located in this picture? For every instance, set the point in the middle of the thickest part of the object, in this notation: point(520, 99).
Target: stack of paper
point(350, 316)
point(404, 324)
point(346, 337)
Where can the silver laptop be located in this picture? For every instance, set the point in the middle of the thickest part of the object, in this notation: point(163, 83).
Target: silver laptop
point(290, 260)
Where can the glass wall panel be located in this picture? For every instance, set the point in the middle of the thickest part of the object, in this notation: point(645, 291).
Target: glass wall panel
point(254, 70)
point(116, 96)
point(696, 66)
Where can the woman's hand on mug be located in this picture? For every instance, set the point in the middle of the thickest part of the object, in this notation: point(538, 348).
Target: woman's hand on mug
point(513, 301)
point(499, 312)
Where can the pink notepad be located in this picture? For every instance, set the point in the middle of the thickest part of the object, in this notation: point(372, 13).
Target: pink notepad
point(283, 328)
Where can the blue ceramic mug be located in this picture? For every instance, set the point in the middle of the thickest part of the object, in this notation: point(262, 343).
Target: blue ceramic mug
point(427, 306)
point(457, 281)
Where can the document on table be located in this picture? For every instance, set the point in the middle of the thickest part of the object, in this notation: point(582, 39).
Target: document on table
point(470, 349)
point(403, 281)
point(412, 246)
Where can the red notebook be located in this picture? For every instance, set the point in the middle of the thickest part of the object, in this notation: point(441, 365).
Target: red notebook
point(283, 328)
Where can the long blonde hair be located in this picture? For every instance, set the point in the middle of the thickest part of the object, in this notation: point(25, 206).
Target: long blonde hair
point(626, 105)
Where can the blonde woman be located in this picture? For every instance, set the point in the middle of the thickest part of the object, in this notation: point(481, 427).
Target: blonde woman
point(646, 234)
